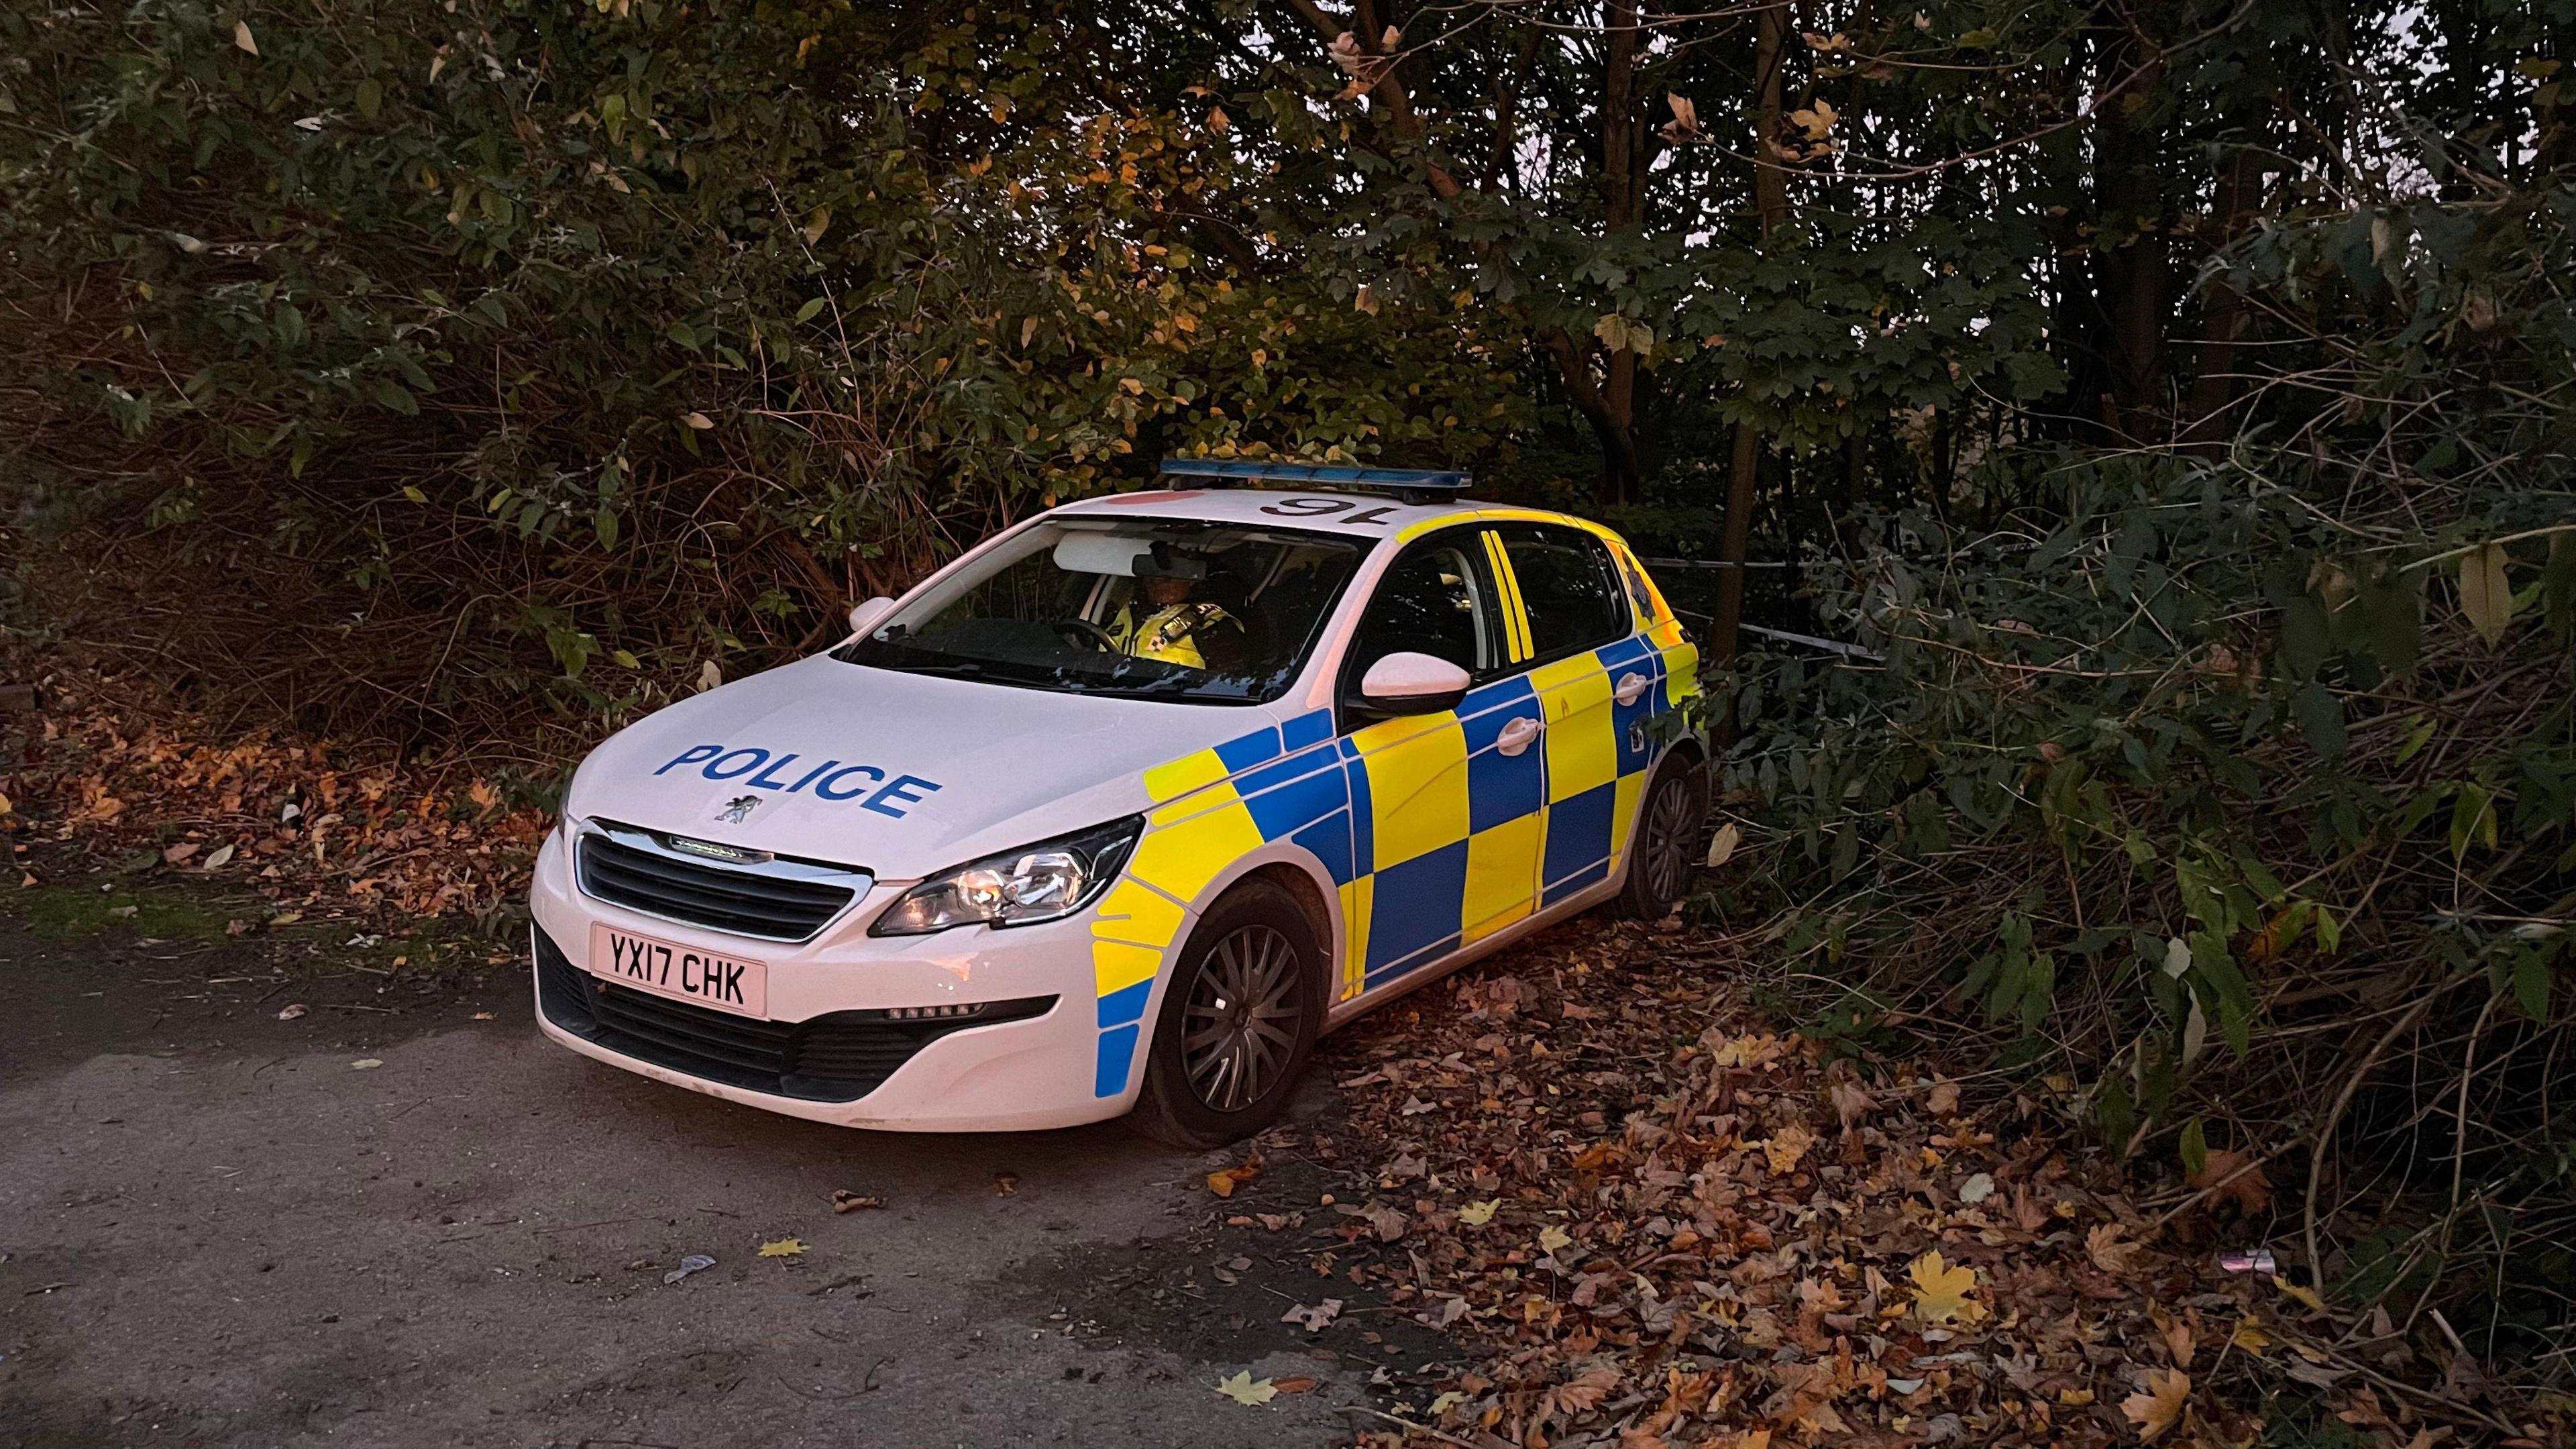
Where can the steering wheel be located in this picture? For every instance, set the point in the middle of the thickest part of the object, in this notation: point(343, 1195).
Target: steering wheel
point(1079, 632)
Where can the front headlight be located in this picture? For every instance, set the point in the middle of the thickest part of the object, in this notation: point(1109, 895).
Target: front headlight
point(1042, 882)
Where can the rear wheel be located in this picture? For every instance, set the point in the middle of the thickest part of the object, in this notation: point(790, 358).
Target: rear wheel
point(1239, 1020)
point(1668, 830)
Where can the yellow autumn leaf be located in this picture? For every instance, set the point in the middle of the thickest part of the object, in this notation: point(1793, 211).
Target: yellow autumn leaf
point(1552, 1237)
point(1244, 1389)
point(1477, 1214)
point(2158, 1407)
point(1941, 1291)
point(784, 1248)
point(2250, 1338)
point(2299, 1292)
point(1786, 1146)
point(2485, 597)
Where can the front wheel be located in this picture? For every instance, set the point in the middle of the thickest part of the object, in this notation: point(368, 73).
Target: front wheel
point(1239, 1020)
point(1668, 830)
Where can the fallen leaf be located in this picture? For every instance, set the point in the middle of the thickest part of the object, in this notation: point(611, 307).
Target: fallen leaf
point(846, 1201)
point(1006, 1184)
point(2113, 1256)
point(1977, 1188)
point(485, 1015)
point(1244, 1389)
point(1225, 1180)
point(1786, 1146)
point(366, 1064)
point(242, 40)
point(2177, 1333)
point(2250, 1338)
point(292, 1010)
point(1390, 1223)
point(2235, 1179)
point(1477, 1214)
point(784, 1248)
point(2299, 1292)
point(1944, 1099)
point(219, 857)
point(1295, 1384)
point(2159, 1406)
point(1552, 1237)
point(1313, 1319)
point(1941, 1291)
point(698, 421)
point(179, 852)
point(1851, 1100)
point(1721, 846)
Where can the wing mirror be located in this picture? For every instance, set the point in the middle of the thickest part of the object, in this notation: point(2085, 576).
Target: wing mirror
point(1408, 683)
point(864, 616)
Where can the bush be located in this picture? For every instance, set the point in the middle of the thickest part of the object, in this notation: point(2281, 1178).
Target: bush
point(2238, 785)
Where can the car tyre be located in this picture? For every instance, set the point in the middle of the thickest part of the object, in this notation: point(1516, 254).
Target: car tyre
point(1239, 1020)
point(1666, 843)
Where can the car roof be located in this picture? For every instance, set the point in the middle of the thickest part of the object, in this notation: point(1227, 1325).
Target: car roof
point(1301, 508)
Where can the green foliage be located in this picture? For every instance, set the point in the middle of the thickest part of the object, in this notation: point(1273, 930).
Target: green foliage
point(507, 327)
point(2186, 775)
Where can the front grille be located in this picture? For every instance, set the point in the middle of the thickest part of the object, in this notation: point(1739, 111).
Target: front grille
point(775, 900)
point(839, 1057)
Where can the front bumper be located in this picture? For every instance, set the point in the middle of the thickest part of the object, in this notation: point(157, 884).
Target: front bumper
point(1037, 1071)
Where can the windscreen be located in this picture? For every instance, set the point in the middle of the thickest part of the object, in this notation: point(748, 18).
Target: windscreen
point(1144, 607)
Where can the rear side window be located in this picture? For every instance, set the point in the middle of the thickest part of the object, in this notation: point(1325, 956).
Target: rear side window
point(1569, 587)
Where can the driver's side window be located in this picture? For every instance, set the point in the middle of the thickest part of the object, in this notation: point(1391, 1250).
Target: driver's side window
point(1437, 599)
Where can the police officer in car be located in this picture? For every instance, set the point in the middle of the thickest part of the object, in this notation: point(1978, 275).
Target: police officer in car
point(1176, 628)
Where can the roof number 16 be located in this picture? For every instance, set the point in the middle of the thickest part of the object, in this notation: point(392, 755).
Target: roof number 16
point(1326, 508)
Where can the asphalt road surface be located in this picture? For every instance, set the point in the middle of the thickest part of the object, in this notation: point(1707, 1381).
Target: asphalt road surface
point(217, 1229)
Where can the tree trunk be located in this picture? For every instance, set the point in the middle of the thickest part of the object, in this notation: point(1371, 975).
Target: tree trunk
point(2130, 194)
point(1619, 211)
point(2223, 319)
point(1771, 205)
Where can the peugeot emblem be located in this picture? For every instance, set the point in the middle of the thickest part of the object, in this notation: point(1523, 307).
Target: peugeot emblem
point(737, 809)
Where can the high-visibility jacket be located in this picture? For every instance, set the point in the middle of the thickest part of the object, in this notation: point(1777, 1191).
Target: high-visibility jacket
point(1171, 634)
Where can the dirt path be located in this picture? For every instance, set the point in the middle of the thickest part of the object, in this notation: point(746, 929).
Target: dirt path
point(216, 1230)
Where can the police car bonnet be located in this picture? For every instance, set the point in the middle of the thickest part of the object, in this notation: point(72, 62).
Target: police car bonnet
point(901, 774)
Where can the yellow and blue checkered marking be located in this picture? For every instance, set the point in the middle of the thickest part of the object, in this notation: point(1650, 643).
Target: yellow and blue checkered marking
point(1432, 836)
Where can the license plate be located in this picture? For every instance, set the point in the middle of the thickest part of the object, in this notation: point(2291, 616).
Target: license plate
point(684, 973)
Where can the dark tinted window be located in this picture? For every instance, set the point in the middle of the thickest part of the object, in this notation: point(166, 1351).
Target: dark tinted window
point(1436, 600)
point(1570, 589)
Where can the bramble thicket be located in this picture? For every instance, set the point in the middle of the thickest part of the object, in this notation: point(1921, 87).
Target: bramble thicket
point(2163, 408)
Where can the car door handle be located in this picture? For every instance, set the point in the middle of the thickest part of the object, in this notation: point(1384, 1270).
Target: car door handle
point(1631, 686)
point(1517, 735)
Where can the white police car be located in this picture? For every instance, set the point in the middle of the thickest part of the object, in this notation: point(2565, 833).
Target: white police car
point(1125, 807)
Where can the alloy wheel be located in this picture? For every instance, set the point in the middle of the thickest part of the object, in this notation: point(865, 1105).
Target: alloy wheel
point(1664, 853)
point(1240, 1027)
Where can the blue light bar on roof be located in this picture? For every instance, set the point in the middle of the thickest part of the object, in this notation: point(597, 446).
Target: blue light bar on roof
point(1316, 475)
